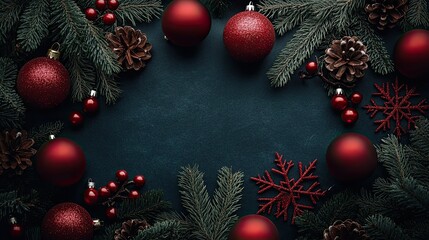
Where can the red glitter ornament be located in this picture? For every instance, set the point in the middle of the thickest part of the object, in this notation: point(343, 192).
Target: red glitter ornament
point(289, 191)
point(100, 4)
point(249, 36)
point(61, 162)
point(339, 101)
point(76, 119)
point(44, 82)
point(112, 186)
point(111, 213)
point(109, 18)
point(113, 4)
point(121, 175)
point(139, 180)
point(91, 104)
point(356, 98)
point(351, 157)
point(90, 197)
point(67, 221)
point(104, 192)
point(254, 227)
point(349, 115)
point(134, 194)
point(186, 23)
point(312, 68)
point(91, 14)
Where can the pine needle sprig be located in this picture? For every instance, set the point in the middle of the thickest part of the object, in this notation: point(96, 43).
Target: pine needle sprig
point(418, 14)
point(11, 9)
point(393, 156)
point(108, 87)
point(134, 11)
point(41, 134)
point(164, 230)
point(217, 7)
point(82, 75)
point(381, 227)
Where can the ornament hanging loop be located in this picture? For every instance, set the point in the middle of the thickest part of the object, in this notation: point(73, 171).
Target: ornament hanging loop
point(54, 51)
point(250, 6)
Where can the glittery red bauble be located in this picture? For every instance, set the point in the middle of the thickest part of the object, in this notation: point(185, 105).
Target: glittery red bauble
point(67, 221)
point(43, 83)
point(254, 227)
point(109, 18)
point(412, 54)
point(249, 36)
point(311, 68)
point(186, 22)
point(91, 14)
point(61, 162)
point(339, 102)
point(349, 115)
point(351, 157)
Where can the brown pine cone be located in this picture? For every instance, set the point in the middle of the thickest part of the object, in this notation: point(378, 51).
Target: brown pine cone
point(130, 229)
point(386, 13)
point(15, 151)
point(130, 46)
point(346, 59)
point(345, 230)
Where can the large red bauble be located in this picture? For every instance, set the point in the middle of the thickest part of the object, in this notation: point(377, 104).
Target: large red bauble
point(351, 157)
point(254, 227)
point(67, 221)
point(43, 83)
point(61, 162)
point(186, 22)
point(249, 36)
point(412, 54)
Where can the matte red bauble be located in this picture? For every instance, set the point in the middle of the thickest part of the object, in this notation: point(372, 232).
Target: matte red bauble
point(349, 115)
point(351, 157)
point(249, 36)
point(185, 23)
point(67, 221)
point(44, 82)
point(254, 227)
point(61, 162)
point(412, 54)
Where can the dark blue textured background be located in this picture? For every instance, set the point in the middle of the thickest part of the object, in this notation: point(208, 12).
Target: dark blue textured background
point(197, 106)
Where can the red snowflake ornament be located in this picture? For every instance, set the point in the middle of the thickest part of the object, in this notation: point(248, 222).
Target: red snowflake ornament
point(289, 190)
point(396, 107)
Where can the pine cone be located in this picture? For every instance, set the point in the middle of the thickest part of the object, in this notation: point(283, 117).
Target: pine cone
point(130, 46)
point(346, 59)
point(386, 13)
point(345, 230)
point(130, 229)
point(15, 151)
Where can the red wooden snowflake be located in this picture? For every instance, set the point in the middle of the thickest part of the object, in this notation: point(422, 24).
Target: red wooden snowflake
point(396, 107)
point(289, 190)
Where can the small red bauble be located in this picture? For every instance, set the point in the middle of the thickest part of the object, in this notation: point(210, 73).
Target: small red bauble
point(133, 194)
point(249, 36)
point(111, 213)
point(139, 180)
point(349, 115)
point(185, 23)
point(16, 231)
point(356, 98)
point(91, 105)
point(67, 221)
point(351, 157)
point(109, 18)
point(76, 119)
point(100, 4)
point(412, 54)
point(122, 175)
point(112, 186)
point(61, 162)
point(113, 4)
point(339, 102)
point(254, 227)
point(104, 192)
point(90, 197)
point(311, 68)
point(91, 14)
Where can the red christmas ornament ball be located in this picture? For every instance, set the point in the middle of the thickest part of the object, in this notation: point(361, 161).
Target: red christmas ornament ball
point(101, 4)
point(351, 157)
point(91, 14)
point(112, 186)
point(104, 192)
point(349, 115)
point(249, 36)
point(90, 197)
point(111, 213)
point(16, 231)
point(311, 68)
point(134, 194)
point(61, 162)
point(121, 175)
point(139, 180)
point(412, 54)
point(356, 98)
point(113, 4)
point(43, 83)
point(90, 105)
point(339, 102)
point(254, 227)
point(109, 18)
point(67, 221)
point(76, 119)
point(185, 23)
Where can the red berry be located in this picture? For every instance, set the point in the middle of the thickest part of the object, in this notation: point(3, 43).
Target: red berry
point(122, 175)
point(134, 194)
point(91, 14)
point(111, 213)
point(311, 68)
point(100, 4)
point(339, 102)
point(349, 115)
point(113, 4)
point(104, 192)
point(356, 98)
point(76, 119)
point(90, 197)
point(112, 186)
point(109, 19)
point(139, 180)
point(90, 105)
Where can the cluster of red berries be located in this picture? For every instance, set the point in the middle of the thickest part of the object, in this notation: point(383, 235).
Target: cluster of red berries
point(90, 106)
point(114, 191)
point(340, 102)
point(109, 18)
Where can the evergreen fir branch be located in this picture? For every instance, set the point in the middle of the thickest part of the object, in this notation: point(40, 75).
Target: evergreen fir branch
point(393, 157)
point(108, 232)
point(11, 9)
point(11, 107)
point(164, 230)
point(41, 134)
point(147, 207)
point(279, 8)
point(417, 229)
point(419, 138)
point(410, 196)
point(34, 25)
point(383, 228)
point(13, 204)
point(196, 201)
point(291, 18)
point(108, 87)
point(370, 204)
point(217, 7)
point(226, 202)
point(84, 4)
point(82, 75)
point(418, 14)
point(135, 11)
